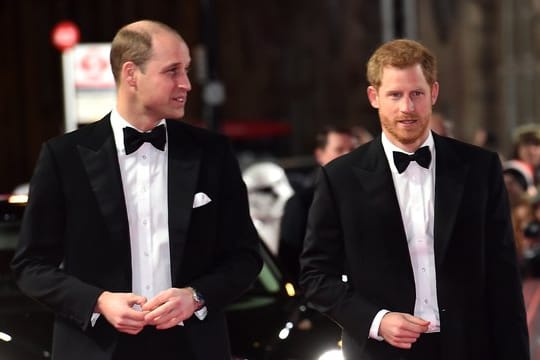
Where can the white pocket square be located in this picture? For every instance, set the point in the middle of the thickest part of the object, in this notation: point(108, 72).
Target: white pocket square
point(200, 199)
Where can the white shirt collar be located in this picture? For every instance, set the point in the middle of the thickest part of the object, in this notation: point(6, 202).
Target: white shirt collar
point(389, 148)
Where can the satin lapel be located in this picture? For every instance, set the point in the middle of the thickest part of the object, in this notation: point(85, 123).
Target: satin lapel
point(100, 160)
point(376, 179)
point(449, 184)
point(183, 174)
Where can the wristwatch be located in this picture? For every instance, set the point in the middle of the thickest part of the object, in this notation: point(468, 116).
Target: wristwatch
point(198, 299)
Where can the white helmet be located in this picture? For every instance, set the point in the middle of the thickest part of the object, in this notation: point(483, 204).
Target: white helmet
point(268, 191)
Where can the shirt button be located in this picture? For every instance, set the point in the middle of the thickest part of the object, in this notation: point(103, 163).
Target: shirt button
point(145, 222)
point(425, 301)
point(144, 157)
point(147, 287)
point(423, 269)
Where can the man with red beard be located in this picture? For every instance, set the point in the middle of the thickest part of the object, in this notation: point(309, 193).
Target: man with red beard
point(409, 243)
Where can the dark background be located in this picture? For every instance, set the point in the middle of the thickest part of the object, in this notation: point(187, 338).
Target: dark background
point(299, 62)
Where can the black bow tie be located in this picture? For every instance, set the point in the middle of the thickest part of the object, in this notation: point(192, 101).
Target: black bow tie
point(422, 156)
point(134, 139)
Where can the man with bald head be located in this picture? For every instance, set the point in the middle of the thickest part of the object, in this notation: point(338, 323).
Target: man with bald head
point(137, 232)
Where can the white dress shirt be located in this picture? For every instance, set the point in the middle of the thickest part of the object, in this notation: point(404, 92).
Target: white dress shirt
point(415, 189)
point(144, 180)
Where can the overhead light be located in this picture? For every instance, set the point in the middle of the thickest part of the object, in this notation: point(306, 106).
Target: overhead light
point(5, 337)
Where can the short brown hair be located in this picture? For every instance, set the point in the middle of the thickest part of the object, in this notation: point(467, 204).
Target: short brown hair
point(401, 53)
point(528, 134)
point(133, 42)
point(525, 135)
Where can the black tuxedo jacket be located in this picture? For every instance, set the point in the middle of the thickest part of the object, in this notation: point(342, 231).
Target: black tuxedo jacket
point(355, 228)
point(75, 238)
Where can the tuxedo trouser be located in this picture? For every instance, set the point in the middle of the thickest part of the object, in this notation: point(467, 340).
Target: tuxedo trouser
point(428, 346)
point(154, 344)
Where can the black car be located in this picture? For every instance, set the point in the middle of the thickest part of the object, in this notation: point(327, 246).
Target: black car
point(269, 322)
point(25, 325)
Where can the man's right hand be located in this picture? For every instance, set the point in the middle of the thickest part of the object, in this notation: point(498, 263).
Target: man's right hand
point(402, 330)
point(118, 310)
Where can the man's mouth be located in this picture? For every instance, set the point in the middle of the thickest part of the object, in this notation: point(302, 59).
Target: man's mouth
point(180, 99)
point(407, 121)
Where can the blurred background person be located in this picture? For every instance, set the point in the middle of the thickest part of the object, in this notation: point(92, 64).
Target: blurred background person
point(518, 179)
point(531, 242)
point(487, 139)
point(440, 124)
point(526, 147)
point(361, 134)
point(331, 142)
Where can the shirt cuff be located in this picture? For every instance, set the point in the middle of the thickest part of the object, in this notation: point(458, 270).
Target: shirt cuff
point(201, 313)
point(94, 318)
point(375, 324)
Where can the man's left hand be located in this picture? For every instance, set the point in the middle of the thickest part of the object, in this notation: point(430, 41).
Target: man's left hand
point(169, 308)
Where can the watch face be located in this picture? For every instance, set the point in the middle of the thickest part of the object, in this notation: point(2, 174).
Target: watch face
point(197, 297)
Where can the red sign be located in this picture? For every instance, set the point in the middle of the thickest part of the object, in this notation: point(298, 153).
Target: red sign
point(92, 67)
point(65, 35)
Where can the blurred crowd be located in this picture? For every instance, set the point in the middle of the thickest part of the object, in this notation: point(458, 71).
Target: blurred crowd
point(521, 171)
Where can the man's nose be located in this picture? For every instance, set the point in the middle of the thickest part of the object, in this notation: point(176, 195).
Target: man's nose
point(184, 83)
point(407, 105)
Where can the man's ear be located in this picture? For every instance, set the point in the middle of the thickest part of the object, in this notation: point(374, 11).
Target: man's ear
point(129, 73)
point(434, 92)
point(373, 96)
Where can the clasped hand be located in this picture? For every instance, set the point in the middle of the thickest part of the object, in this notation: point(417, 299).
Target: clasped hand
point(402, 330)
point(130, 313)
